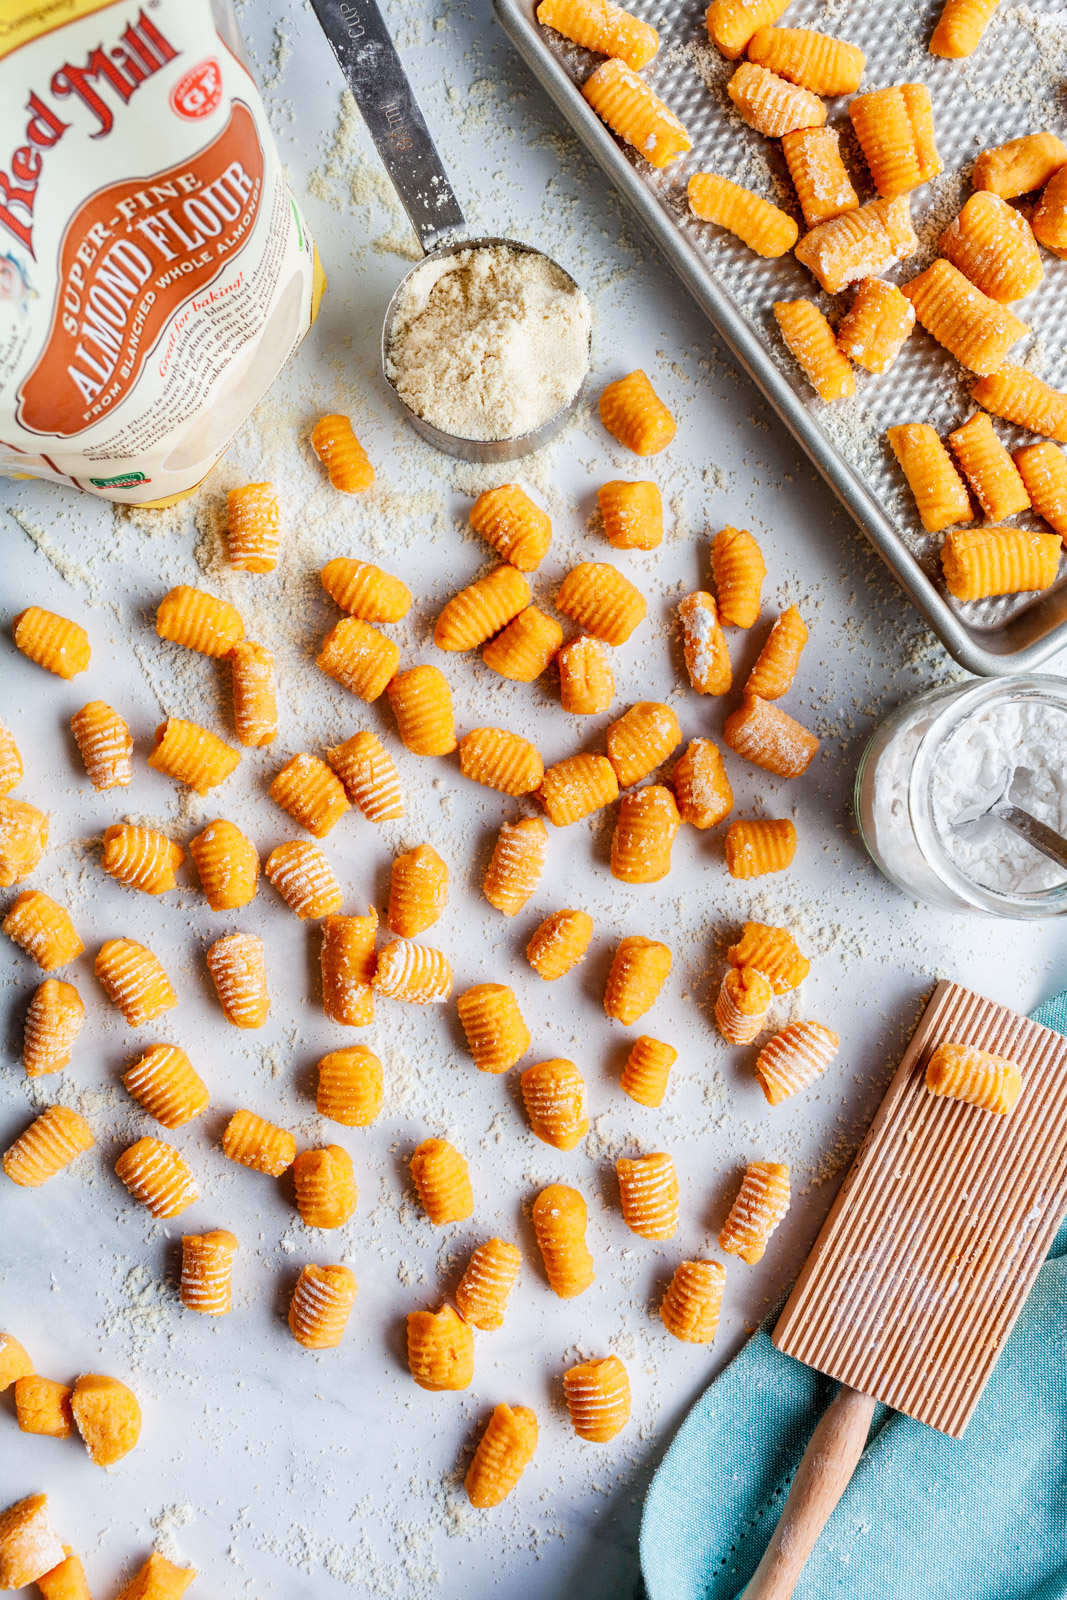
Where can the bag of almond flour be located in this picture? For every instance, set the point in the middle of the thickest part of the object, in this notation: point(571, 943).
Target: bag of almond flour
point(155, 272)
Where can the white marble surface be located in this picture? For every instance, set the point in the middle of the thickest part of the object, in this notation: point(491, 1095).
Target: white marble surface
point(274, 1471)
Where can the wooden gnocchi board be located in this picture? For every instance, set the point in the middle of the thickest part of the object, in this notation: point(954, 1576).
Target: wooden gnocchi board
point(945, 1216)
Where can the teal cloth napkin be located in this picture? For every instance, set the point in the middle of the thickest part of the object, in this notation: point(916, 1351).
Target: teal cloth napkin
point(924, 1517)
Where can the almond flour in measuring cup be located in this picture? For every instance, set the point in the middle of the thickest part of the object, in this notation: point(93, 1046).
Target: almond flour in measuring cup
point(489, 343)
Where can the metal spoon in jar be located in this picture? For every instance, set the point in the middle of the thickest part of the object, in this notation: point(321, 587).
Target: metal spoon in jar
point(367, 56)
point(1037, 834)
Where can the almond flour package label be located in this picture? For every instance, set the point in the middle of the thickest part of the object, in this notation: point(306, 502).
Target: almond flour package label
point(155, 272)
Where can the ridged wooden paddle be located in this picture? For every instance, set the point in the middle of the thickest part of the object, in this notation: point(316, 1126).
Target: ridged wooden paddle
point(926, 1257)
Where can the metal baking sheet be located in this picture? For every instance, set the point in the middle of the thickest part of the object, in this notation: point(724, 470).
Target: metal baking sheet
point(1004, 90)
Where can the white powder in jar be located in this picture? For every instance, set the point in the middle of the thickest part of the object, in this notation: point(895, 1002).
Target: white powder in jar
point(489, 343)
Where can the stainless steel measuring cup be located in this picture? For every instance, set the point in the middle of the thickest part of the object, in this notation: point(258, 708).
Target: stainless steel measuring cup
point(373, 70)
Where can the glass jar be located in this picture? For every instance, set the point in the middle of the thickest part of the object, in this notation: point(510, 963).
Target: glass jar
point(901, 779)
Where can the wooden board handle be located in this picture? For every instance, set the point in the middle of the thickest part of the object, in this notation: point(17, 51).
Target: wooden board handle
point(825, 1468)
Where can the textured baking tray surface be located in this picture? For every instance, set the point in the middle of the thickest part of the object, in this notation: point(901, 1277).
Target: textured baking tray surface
point(1012, 85)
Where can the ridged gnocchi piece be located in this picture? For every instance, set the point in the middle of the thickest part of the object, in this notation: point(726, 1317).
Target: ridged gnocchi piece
point(482, 609)
point(559, 1218)
point(576, 787)
point(824, 188)
point(51, 1142)
point(559, 943)
point(1020, 166)
point(191, 754)
point(43, 1406)
point(632, 514)
point(794, 1058)
point(29, 1543)
point(776, 665)
point(141, 858)
point(633, 413)
point(742, 1004)
point(635, 113)
point(586, 681)
point(107, 1414)
point(509, 521)
point(238, 970)
point(304, 878)
point(738, 567)
point(199, 621)
point(413, 972)
point(771, 105)
point(418, 891)
point(207, 1271)
point(488, 1279)
point(764, 227)
point(325, 1184)
point(359, 658)
point(731, 23)
point(228, 864)
point(814, 61)
point(601, 26)
point(810, 340)
point(255, 697)
point(978, 331)
point(158, 1176)
point(690, 1309)
point(647, 1070)
point(507, 1446)
point(67, 1581)
point(1049, 219)
point(422, 705)
point(350, 1086)
point(165, 1083)
point(501, 760)
point(311, 792)
point(599, 600)
point(526, 647)
point(23, 837)
point(979, 562)
point(639, 969)
point(992, 245)
point(44, 929)
point(1043, 470)
point(11, 770)
point(761, 1203)
point(364, 590)
point(756, 846)
point(443, 1182)
point(648, 1194)
point(252, 1141)
point(497, 1036)
point(770, 738)
point(321, 1305)
point(701, 786)
point(707, 658)
point(52, 642)
point(516, 864)
point(645, 830)
point(369, 775)
point(960, 27)
point(964, 1072)
point(941, 497)
point(105, 745)
point(989, 469)
point(553, 1093)
point(134, 981)
point(253, 527)
point(861, 243)
point(346, 462)
point(641, 740)
point(773, 952)
point(873, 330)
point(598, 1398)
point(895, 129)
point(440, 1349)
point(1019, 396)
point(53, 1022)
point(348, 962)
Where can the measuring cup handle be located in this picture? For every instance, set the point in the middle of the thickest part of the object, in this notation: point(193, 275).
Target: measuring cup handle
point(367, 56)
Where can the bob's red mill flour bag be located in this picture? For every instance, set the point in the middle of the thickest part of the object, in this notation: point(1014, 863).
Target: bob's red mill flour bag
point(155, 272)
